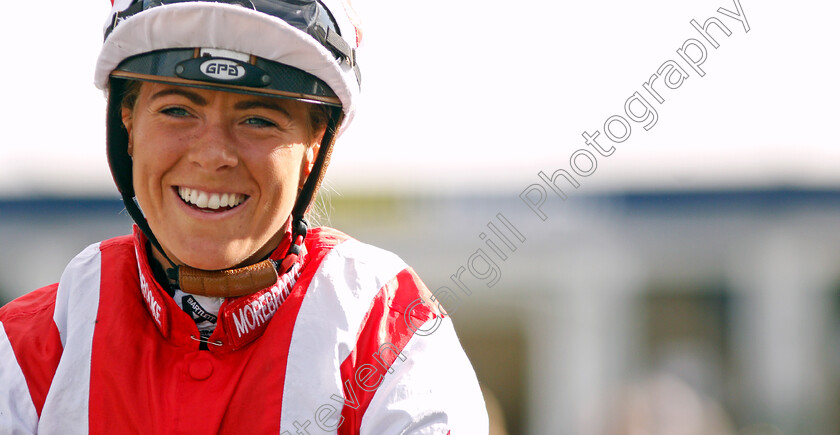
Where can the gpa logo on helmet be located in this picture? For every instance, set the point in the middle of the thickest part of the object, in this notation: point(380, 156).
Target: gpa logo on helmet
point(222, 69)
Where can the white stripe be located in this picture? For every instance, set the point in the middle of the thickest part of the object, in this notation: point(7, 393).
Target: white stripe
point(17, 412)
point(432, 392)
point(76, 304)
point(336, 303)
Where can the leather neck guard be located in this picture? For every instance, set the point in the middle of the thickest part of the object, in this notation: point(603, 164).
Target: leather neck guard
point(228, 283)
point(240, 281)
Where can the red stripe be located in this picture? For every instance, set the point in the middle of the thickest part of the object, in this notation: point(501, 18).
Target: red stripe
point(265, 377)
point(121, 355)
point(28, 322)
point(364, 368)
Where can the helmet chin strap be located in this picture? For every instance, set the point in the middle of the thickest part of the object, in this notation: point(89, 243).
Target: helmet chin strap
point(255, 277)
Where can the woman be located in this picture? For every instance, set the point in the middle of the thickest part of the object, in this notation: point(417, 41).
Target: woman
point(223, 312)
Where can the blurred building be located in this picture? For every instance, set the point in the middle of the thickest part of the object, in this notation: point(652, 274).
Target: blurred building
point(655, 312)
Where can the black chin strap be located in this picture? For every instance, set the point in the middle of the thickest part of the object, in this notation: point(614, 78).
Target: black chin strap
point(310, 187)
point(316, 176)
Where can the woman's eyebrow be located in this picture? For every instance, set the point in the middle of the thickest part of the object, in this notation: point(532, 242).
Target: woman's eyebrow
point(192, 96)
point(261, 104)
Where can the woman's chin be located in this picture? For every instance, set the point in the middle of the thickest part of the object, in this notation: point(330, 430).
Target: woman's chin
point(215, 253)
point(207, 259)
point(203, 264)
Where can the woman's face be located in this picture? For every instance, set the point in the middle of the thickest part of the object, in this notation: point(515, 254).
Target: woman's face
point(217, 173)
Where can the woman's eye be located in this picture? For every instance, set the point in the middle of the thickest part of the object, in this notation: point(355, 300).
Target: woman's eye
point(177, 112)
point(260, 122)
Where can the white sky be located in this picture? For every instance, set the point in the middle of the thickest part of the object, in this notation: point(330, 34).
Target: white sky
point(482, 95)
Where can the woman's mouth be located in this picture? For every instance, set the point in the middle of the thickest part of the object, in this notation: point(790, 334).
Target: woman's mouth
point(210, 201)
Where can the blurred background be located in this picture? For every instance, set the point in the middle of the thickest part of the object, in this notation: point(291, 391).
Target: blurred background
point(689, 284)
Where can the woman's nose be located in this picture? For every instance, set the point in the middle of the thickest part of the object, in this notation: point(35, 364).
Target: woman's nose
point(214, 148)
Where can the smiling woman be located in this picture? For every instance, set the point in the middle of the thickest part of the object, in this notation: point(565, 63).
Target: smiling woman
point(223, 294)
point(251, 152)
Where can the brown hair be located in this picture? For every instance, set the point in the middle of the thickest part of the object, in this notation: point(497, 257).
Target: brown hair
point(130, 92)
point(319, 114)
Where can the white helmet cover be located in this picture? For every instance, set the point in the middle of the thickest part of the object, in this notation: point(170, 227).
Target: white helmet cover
point(207, 24)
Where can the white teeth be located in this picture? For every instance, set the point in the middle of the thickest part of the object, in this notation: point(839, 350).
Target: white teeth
point(202, 200)
point(213, 202)
point(209, 200)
